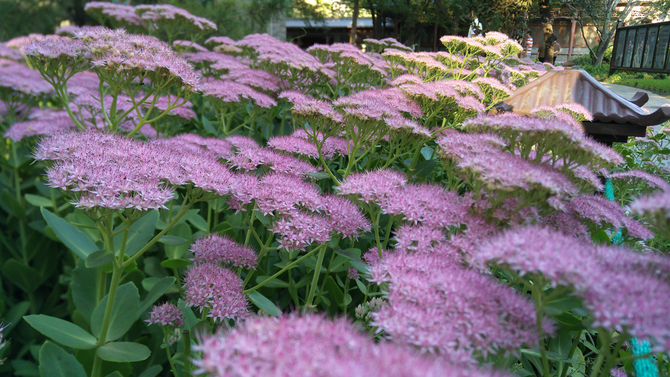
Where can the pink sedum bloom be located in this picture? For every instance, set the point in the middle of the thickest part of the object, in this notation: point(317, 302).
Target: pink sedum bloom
point(166, 315)
point(437, 306)
point(621, 288)
point(219, 290)
point(275, 347)
point(223, 249)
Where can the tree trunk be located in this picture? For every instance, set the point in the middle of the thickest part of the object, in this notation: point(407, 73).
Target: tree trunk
point(354, 20)
point(602, 46)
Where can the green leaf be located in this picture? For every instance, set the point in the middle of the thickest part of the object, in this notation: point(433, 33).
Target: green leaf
point(38, 201)
point(63, 332)
point(263, 303)
point(209, 128)
point(120, 352)
point(99, 258)
point(55, 362)
point(158, 290)
point(424, 168)
point(319, 175)
point(427, 152)
point(14, 207)
point(25, 277)
point(351, 253)
point(23, 155)
point(189, 318)
point(87, 357)
point(182, 231)
point(175, 263)
point(84, 289)
point(334, 290)
point(264, 219)
point(199, 222)
point(116, 373)
point(139, 234)
point(553, 356)
point(25, 367)
point(126, 304)
point(361, 286)
point(171, 240)
point(274, 283)
point(13, 316)
point(361, 267)
point(601, 237)
point(152, 371)
point(569, 321)
point(562, 304)
point(70, 235)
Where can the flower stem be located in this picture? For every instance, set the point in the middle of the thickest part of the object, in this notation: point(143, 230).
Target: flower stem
point(252, 289)
point(604, 349)
point(169, 354)
point(315, 279)
point(186, 337)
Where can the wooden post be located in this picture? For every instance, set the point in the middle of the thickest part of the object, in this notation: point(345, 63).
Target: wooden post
point(572, 38)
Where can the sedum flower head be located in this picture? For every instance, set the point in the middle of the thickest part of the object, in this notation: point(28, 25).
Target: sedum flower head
point(623, 289)
point(229, 91)
point(223, 249)
point(166, 315)
point(275, 347)
point(103, 170)
point(218, 289)
point(435, 305)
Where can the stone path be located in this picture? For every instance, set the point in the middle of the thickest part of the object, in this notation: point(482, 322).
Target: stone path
point(627, 92)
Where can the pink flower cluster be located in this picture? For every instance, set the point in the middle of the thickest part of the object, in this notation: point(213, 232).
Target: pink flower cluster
point(302, 215)
point(271, 50)
point(166, 315)
point(600, 210)
point(9, 53)
point(658, 203)
point(390, 43)
point(275, 347)
point(103, 170)
point(165, 14)
point(41, 122)
point(250, 157)
point(124, 14)
point(386, 105)
point(301, 142)
point(230, 91)
point(621, 288)
point(482, 155)
point(642, 176)
point(564, 140)
point(256, 78)
point(223, 249)
point(19, 81)
point(116, 51)
point(436, 305)
point(217, 289)
point(307, 106)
